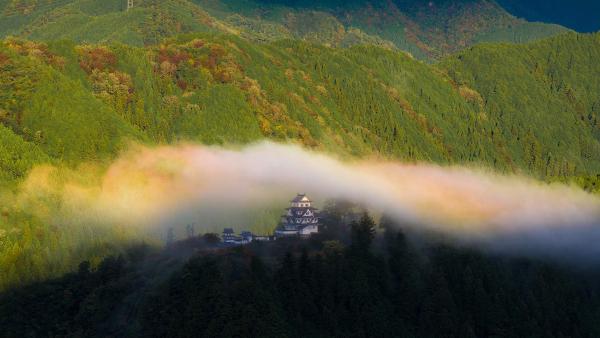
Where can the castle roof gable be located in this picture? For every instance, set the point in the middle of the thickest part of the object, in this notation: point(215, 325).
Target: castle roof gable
point(300, 198)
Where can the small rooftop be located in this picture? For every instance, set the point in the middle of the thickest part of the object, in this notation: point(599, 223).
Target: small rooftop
point(300, 198)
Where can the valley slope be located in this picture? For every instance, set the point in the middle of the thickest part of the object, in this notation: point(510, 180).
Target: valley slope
point(528, 108)
point(84, 80)
point(427, 29)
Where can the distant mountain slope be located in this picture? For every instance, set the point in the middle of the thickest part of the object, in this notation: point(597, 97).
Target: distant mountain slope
point(528, 108)
point(580, 15)
point(83, 78)
point(527, 88)
point(106, 21)
point(17, 156)
point(53, 110)
point(426, 29)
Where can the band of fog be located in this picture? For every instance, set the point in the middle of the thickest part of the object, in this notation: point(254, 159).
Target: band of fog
point(150, 185)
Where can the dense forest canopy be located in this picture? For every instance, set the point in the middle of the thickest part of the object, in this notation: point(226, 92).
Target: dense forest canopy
point(346, 283)
point(488, 105)
point(447, 82)
point(413, 26)
point(528, 109)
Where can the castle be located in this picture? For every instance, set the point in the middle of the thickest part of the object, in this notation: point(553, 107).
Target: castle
point(300, 220)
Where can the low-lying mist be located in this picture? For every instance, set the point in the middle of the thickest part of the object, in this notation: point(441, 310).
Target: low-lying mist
point(157, 187)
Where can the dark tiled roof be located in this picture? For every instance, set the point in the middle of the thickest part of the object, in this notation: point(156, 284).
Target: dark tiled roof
point(298, 198)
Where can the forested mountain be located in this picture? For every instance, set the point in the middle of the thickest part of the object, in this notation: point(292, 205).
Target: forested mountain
point(530, 109)
point(80, 80)
point(363, 287)
point(426, 29)
point(490, 104)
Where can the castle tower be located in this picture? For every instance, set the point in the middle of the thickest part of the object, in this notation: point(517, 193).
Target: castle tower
point(301, 219)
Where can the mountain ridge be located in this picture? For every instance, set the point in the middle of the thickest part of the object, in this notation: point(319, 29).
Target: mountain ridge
point(93, 78)
point(427, 32)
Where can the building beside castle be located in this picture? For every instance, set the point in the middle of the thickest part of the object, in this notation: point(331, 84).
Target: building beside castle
point(229, 237)
point(301, 219)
